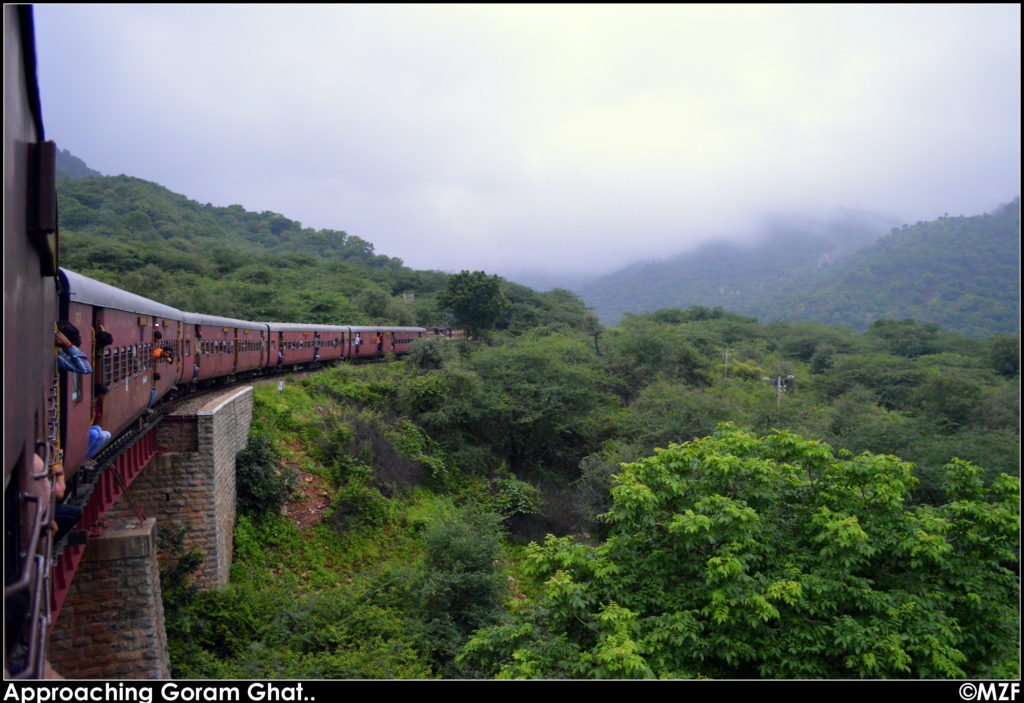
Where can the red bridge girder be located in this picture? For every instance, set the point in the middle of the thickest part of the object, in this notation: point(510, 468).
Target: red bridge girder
point(110, 486)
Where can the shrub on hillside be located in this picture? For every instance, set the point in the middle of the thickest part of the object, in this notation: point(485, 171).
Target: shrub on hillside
point(263, 483)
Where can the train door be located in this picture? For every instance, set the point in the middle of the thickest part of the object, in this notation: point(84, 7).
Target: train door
point(167, 368)
point(197, 359)
point(77, 390)
point(179, 353)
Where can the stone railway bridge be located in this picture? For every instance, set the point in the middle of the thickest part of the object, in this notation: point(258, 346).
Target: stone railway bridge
point(180, 476)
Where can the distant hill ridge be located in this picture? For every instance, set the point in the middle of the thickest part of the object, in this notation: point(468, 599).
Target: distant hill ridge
point(70, 166)
point(962, 273)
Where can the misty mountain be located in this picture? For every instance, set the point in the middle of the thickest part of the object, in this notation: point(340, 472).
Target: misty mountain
point(962, 273)
point(732, 275)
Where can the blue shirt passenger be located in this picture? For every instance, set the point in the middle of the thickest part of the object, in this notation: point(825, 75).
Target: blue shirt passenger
point(69, 356)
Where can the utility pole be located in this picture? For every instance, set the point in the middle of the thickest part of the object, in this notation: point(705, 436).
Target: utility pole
point(780, 386)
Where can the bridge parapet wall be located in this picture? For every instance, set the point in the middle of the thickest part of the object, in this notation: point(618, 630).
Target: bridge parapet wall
point(190, 484)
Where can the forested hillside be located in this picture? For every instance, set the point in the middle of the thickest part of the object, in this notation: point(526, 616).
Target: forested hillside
point(732, 275)
point(228, 261)
point(962, 273)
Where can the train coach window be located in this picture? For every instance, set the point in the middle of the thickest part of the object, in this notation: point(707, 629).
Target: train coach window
point(188, 347)
point(106, 365)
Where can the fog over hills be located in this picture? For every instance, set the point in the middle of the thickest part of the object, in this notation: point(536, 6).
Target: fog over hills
point(848, 269)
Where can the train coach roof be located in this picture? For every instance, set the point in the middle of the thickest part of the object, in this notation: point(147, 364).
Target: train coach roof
point(386, 328)
point(195, 318)
point(85, 290)
point(299, 327)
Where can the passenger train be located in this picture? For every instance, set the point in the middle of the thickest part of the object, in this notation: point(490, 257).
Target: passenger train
point(156, 352)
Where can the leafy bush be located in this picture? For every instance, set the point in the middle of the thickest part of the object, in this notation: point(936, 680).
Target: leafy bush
point(738, 556)
point(359, 504)
point(463, 586)
point(263, 484)
point(512, 497)
point(432, 352)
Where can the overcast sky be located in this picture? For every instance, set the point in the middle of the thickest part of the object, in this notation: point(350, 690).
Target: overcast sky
point(547, 137)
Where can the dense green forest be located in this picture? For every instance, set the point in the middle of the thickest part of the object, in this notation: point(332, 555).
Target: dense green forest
point(962, 273)
point(569, 501)
point(690, 494)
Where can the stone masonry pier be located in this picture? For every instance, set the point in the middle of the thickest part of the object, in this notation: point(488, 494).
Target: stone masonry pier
point(111, 624)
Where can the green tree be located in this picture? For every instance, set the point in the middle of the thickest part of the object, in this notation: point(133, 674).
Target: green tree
point(1004, 355)
point(544, 400)
point(641, 349)
point(738, 556)
point(905, 337)
point(462, 585)
point(593, 327)
point(476, 301)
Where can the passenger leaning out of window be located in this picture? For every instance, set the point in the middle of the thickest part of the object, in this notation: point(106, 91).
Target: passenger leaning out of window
point(67, 339)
